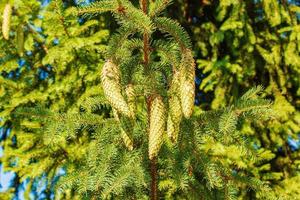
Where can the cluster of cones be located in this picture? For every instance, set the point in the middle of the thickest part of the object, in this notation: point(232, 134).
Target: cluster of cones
point(162, 118)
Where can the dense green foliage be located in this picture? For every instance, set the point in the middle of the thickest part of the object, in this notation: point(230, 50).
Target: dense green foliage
point(240, 44)
point(226, 150)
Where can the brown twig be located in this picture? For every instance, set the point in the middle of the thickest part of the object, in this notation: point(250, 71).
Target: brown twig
point(153, 161)
point(154, 195)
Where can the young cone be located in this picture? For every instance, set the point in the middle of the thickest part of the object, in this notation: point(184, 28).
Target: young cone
point(187, 77)
point(110, 78)
point(175, 110)
point(20, 40)
point(157, 126)
point(6, 21)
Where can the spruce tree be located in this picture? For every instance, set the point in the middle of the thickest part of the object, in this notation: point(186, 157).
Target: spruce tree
point(135, 135)
point(148, 82)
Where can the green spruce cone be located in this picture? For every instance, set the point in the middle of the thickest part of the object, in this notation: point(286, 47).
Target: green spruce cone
point(157, 126)
point(126, 128)
point(187, 82)
point(110, 78)
point(20, 40)
point(175, 110)
point(6, 21)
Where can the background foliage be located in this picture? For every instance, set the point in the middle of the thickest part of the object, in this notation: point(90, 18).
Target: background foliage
point(246, 43)
point(57, 70)
point(237, 44)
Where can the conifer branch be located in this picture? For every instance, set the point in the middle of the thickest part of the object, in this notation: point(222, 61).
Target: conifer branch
point(174, 29)
point(125, 13)
point(158, 6)
point(38, 37)
point(169, 50)
point(114, 43)
point(99, 7)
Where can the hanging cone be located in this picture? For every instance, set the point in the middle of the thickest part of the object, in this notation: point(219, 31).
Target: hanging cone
point(175, 110)
point(6, 21)
point(110, 78)
point(20, 40)
point(187, 82)
point(157, 126)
